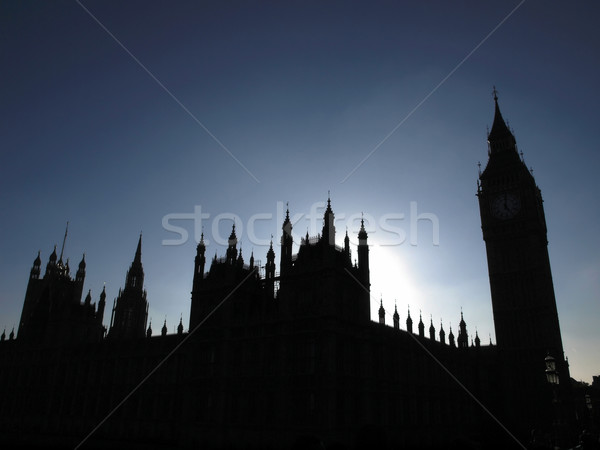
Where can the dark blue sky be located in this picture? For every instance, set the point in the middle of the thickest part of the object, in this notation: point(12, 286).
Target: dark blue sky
point(299, 93)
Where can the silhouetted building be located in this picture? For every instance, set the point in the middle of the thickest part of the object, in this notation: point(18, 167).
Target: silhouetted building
point(276, 359)
point(524, 307)
point(52, 310)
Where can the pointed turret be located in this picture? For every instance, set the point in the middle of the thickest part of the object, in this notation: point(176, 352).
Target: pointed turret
point(463, 337)
point(11, 336)
point(240, 259)
point(477, 340)
point(51, 262)
point(396, 318)
point(409, 322)
point(421, 326)
point(442, 333)
point(88, 298)
point(199, 264)
point(431, 329)
point(252, 260)
point(285, 262)
point(36, 268)
point(270, 271)
point(363, 255)
point(451, 338)
point(347, 247)
point(101, 306)
point(149, 330)
point(80, 275)
point(163, 331)
point(232, 247)
point(381, 313)
point(180, 326)
point(328, 225)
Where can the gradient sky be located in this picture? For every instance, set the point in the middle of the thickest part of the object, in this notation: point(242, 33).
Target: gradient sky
point(299, 93)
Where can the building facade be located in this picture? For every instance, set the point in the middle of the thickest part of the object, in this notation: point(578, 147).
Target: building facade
point(291, 357)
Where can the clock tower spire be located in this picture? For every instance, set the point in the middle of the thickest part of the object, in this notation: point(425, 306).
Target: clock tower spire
point(522, 291)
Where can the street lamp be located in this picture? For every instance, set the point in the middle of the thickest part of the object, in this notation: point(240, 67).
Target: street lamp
point(553, 381)
point(551, 373)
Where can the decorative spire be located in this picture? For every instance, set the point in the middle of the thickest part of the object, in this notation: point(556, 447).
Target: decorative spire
point(64, 241)
point(328, 224)
point(52, 258)
point(362, 233)
point(163, 331)
point(431, 329)
point(500, 137)
point(409, 321)
point(381, 312)
point(201, 245)
point(180, 326)
point(149, 330)
point(138, 251)
point(442, 333)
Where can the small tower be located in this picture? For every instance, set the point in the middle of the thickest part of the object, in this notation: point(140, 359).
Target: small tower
point(409, 322)
point(80, 275)
point(451, 337)
point(130, 310)
point(36, 268)
point(149, 330)
point(463, 337)
point(232, 248)
point(180, 326)
point(381, 313)
point(347, 246)
point(431, 329)
point(396, 318)
point(51, 266)
point(442, 333)
point(477, 340)
point(199, 263)
point(421, 326)
point(101, 306)
point(286, 245)
point(163, 331)
point(88, 298)
point(270, 272)
point(328, 235)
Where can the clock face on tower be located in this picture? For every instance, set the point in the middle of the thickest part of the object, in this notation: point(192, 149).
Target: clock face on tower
point(506, 205)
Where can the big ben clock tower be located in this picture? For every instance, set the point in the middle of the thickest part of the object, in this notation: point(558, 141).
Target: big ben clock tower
point(522, 291)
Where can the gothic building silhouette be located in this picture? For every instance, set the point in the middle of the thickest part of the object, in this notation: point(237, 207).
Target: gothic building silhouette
point(290, 356)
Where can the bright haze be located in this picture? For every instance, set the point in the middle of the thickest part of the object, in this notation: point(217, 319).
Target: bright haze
point(129, 117)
